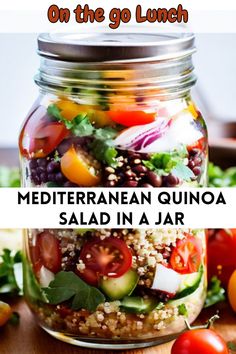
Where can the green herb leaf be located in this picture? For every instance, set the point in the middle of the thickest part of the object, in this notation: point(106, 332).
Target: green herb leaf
point(164, 163)
point(105, 152)
point(79, 125)
point(215, 292)
point(182, 310)
point(54, 111)
point(10, 272)
point(105, 133)
point(102, 146)
point(67, 285)
point(232, 346)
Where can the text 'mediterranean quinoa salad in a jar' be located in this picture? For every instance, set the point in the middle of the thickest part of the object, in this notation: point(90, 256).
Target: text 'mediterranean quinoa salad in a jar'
point(115, 110)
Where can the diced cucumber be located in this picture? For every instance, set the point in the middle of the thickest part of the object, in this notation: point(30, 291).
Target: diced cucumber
point(191, 284)
point(117, 288)
point(137, 304)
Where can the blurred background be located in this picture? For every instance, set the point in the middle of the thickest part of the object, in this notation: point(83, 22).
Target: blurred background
point(215, 92)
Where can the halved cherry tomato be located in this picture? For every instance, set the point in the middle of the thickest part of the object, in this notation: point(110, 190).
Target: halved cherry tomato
point(40, 135)
point(221, 254)
point(110, 257)
point(89, 276)
point(48, 252)
point(5, 313)
point(199, 341)
point(186, 256)
point(80, 168)
point(131, 118)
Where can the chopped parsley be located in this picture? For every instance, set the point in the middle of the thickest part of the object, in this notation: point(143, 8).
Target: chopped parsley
point(164, 163)
point(183, 310)
point(102, 145)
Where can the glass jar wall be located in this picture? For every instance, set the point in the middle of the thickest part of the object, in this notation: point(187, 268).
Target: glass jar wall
point(114, 115)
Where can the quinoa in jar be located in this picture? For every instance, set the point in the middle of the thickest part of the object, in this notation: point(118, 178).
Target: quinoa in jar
point(114, 110)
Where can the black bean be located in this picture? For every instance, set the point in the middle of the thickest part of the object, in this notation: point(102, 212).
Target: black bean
point(33, 164)
point(197, 170)
point(51, 177)
point(37, 180)
point(154, 179)
point(140, 169)
point(146, 185)
point(59, 177)
point(43, 177)
point(191, 164)
point(134, 154)
point(53, 166)
point(130, 184)
point(130, 174)
point(172, 180)
point(42, 162)
point(33, 173)
point(197, 161)
point(145, 156)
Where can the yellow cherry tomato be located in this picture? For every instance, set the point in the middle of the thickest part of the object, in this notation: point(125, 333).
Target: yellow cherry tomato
point(5, 313)
point(232, 291)
point(192, 109)
point(70, 109)
point(80, 168)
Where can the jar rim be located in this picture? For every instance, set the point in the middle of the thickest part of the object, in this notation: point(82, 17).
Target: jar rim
point(129, 46)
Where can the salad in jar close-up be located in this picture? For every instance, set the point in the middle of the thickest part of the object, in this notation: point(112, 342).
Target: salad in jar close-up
point(114, 124)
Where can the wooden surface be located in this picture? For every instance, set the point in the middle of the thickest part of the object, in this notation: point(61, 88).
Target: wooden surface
point(28, 338)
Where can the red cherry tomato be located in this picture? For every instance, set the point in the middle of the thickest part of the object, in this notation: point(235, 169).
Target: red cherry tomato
point(199, 341)
point(89, 276)
point(131, 118)
point(186, 256)
point(47, 252)
point(222, 254)
point(110, 257)
point(199, 144)
point(40, 135)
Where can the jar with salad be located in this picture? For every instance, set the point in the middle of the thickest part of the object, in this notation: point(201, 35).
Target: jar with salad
point(115, 110)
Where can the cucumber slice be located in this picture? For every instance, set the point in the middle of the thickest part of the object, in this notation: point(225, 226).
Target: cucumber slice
point(137, 304)
point(117, 288)
point(190, 284)
point(188, 280)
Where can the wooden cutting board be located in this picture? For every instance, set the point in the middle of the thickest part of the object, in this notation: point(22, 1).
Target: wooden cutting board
point(28, 338)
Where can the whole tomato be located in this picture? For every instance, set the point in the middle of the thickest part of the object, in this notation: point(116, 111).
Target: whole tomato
point(199, 341)
point(221, 254)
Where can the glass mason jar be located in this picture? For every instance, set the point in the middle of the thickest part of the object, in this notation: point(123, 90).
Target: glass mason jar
point(114, 111)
